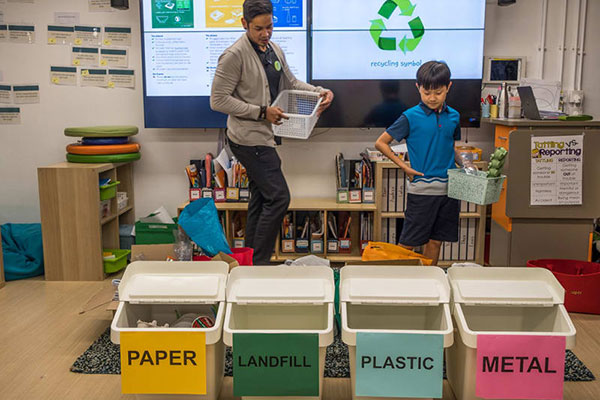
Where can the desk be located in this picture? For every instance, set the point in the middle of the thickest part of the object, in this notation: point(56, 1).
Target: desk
point(521, 232)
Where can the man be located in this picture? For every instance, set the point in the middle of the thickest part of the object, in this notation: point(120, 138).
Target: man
point(250, 74)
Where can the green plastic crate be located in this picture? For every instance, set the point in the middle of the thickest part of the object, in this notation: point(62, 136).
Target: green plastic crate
point(478, 189)
point(154, 233)
point(117, 263)
point(108, 191)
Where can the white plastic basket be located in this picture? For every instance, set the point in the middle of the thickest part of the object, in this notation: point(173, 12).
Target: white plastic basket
point(301, 108)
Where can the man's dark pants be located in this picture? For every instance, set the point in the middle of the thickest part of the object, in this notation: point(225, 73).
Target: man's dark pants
point(269, 198)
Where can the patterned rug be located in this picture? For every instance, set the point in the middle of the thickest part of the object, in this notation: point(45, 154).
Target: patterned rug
point(103, 357)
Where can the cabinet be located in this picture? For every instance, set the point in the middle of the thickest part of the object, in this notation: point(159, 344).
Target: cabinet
point(472, 222)
point(305, 204)
point(73, 231)
point(522, 231)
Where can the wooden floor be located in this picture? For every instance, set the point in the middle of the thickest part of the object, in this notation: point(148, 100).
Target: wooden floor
point(43, 331)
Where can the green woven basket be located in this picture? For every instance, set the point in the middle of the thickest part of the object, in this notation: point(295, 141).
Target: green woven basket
point(478, 189)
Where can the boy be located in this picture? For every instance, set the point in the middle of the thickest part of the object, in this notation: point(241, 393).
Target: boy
point(430, 129)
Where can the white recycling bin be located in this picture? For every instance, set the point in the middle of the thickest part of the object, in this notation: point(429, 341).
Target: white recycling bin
point(393, 299)
point(166, 362)
point(501, 301)
point(274, 301)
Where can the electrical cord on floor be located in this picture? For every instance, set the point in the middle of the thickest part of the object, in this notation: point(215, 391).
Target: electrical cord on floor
point(93, 308)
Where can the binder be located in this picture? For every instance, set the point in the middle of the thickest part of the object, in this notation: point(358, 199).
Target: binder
point(392, 190)
point(471, 238)
point(400, 191)
point(384, 190)
point(385, 230)
point(393, 237)
point(455, 247)
point(463, 239)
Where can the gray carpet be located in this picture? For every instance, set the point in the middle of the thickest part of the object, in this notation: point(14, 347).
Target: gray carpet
point(103, 357)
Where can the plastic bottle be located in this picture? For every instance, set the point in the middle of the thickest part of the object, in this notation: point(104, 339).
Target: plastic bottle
point(503, 101)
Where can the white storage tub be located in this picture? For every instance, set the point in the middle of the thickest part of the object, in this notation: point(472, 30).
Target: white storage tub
point(158, 290)
point(281, 299)
point(393, 299)
point(500, 301)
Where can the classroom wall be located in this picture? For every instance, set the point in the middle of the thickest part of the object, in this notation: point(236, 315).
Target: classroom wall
point(159, 176)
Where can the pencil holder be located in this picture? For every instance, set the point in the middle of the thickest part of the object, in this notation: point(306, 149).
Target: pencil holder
point(301, 245)
point(244, 194)
point(493, 110)
point(287, 245)
point(368, 195)
point(233, 194)
point(342, 195)
point(345, 245)
point(195, 194)
point(485, 110)
point(207, 193)
point(316, 246)
point(355, 196)
point(219, 195)
point(333, 246)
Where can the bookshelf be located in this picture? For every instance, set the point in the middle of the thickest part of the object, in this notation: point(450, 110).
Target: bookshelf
point(324, 205)
point(73, 231)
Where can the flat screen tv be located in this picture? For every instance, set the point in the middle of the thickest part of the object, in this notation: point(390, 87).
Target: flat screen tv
point(367, 52)
point(181, 44)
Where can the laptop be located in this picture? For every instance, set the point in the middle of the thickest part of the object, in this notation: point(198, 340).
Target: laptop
point(530, 108)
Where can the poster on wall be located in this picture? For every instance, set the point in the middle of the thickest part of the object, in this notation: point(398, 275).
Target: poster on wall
point(5, 94)
point(10, 115)
point(117, 36)
point(21, 34)
point(556, 170)
point(26, 94)
point(122, 78)
point(66, 76)
point(94, 77)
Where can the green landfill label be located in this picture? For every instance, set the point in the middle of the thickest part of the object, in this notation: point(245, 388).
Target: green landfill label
point(378, 27)
point(169, 14)
point(285, 364)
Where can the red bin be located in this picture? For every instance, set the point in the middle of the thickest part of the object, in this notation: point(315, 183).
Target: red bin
point(580, 279)
point(243, 255)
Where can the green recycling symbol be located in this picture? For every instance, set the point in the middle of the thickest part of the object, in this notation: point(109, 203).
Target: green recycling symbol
point(389, 43)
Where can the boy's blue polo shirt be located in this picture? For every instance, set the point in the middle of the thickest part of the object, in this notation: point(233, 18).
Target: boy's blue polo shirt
point(430, 137)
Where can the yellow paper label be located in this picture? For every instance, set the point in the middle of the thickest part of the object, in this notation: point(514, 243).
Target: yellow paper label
point(75, 62)
point(163, 362)
point(111, 84)
point(51, 40)
point(107, 42)
point(55, 80)
point(102, 62)
point(85, 72)
point(77, 41)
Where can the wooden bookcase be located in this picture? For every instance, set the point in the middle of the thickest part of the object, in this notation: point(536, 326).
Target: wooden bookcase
point(380, 215)
point(306, 204)
point(73, 232)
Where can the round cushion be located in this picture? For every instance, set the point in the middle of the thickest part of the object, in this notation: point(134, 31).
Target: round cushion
point(102, 131)
point(76, 148)
point(92, 141)
point(103, 158)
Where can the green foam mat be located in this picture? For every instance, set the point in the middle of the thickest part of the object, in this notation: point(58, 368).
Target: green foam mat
point(102, 131)
point(103, 158)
